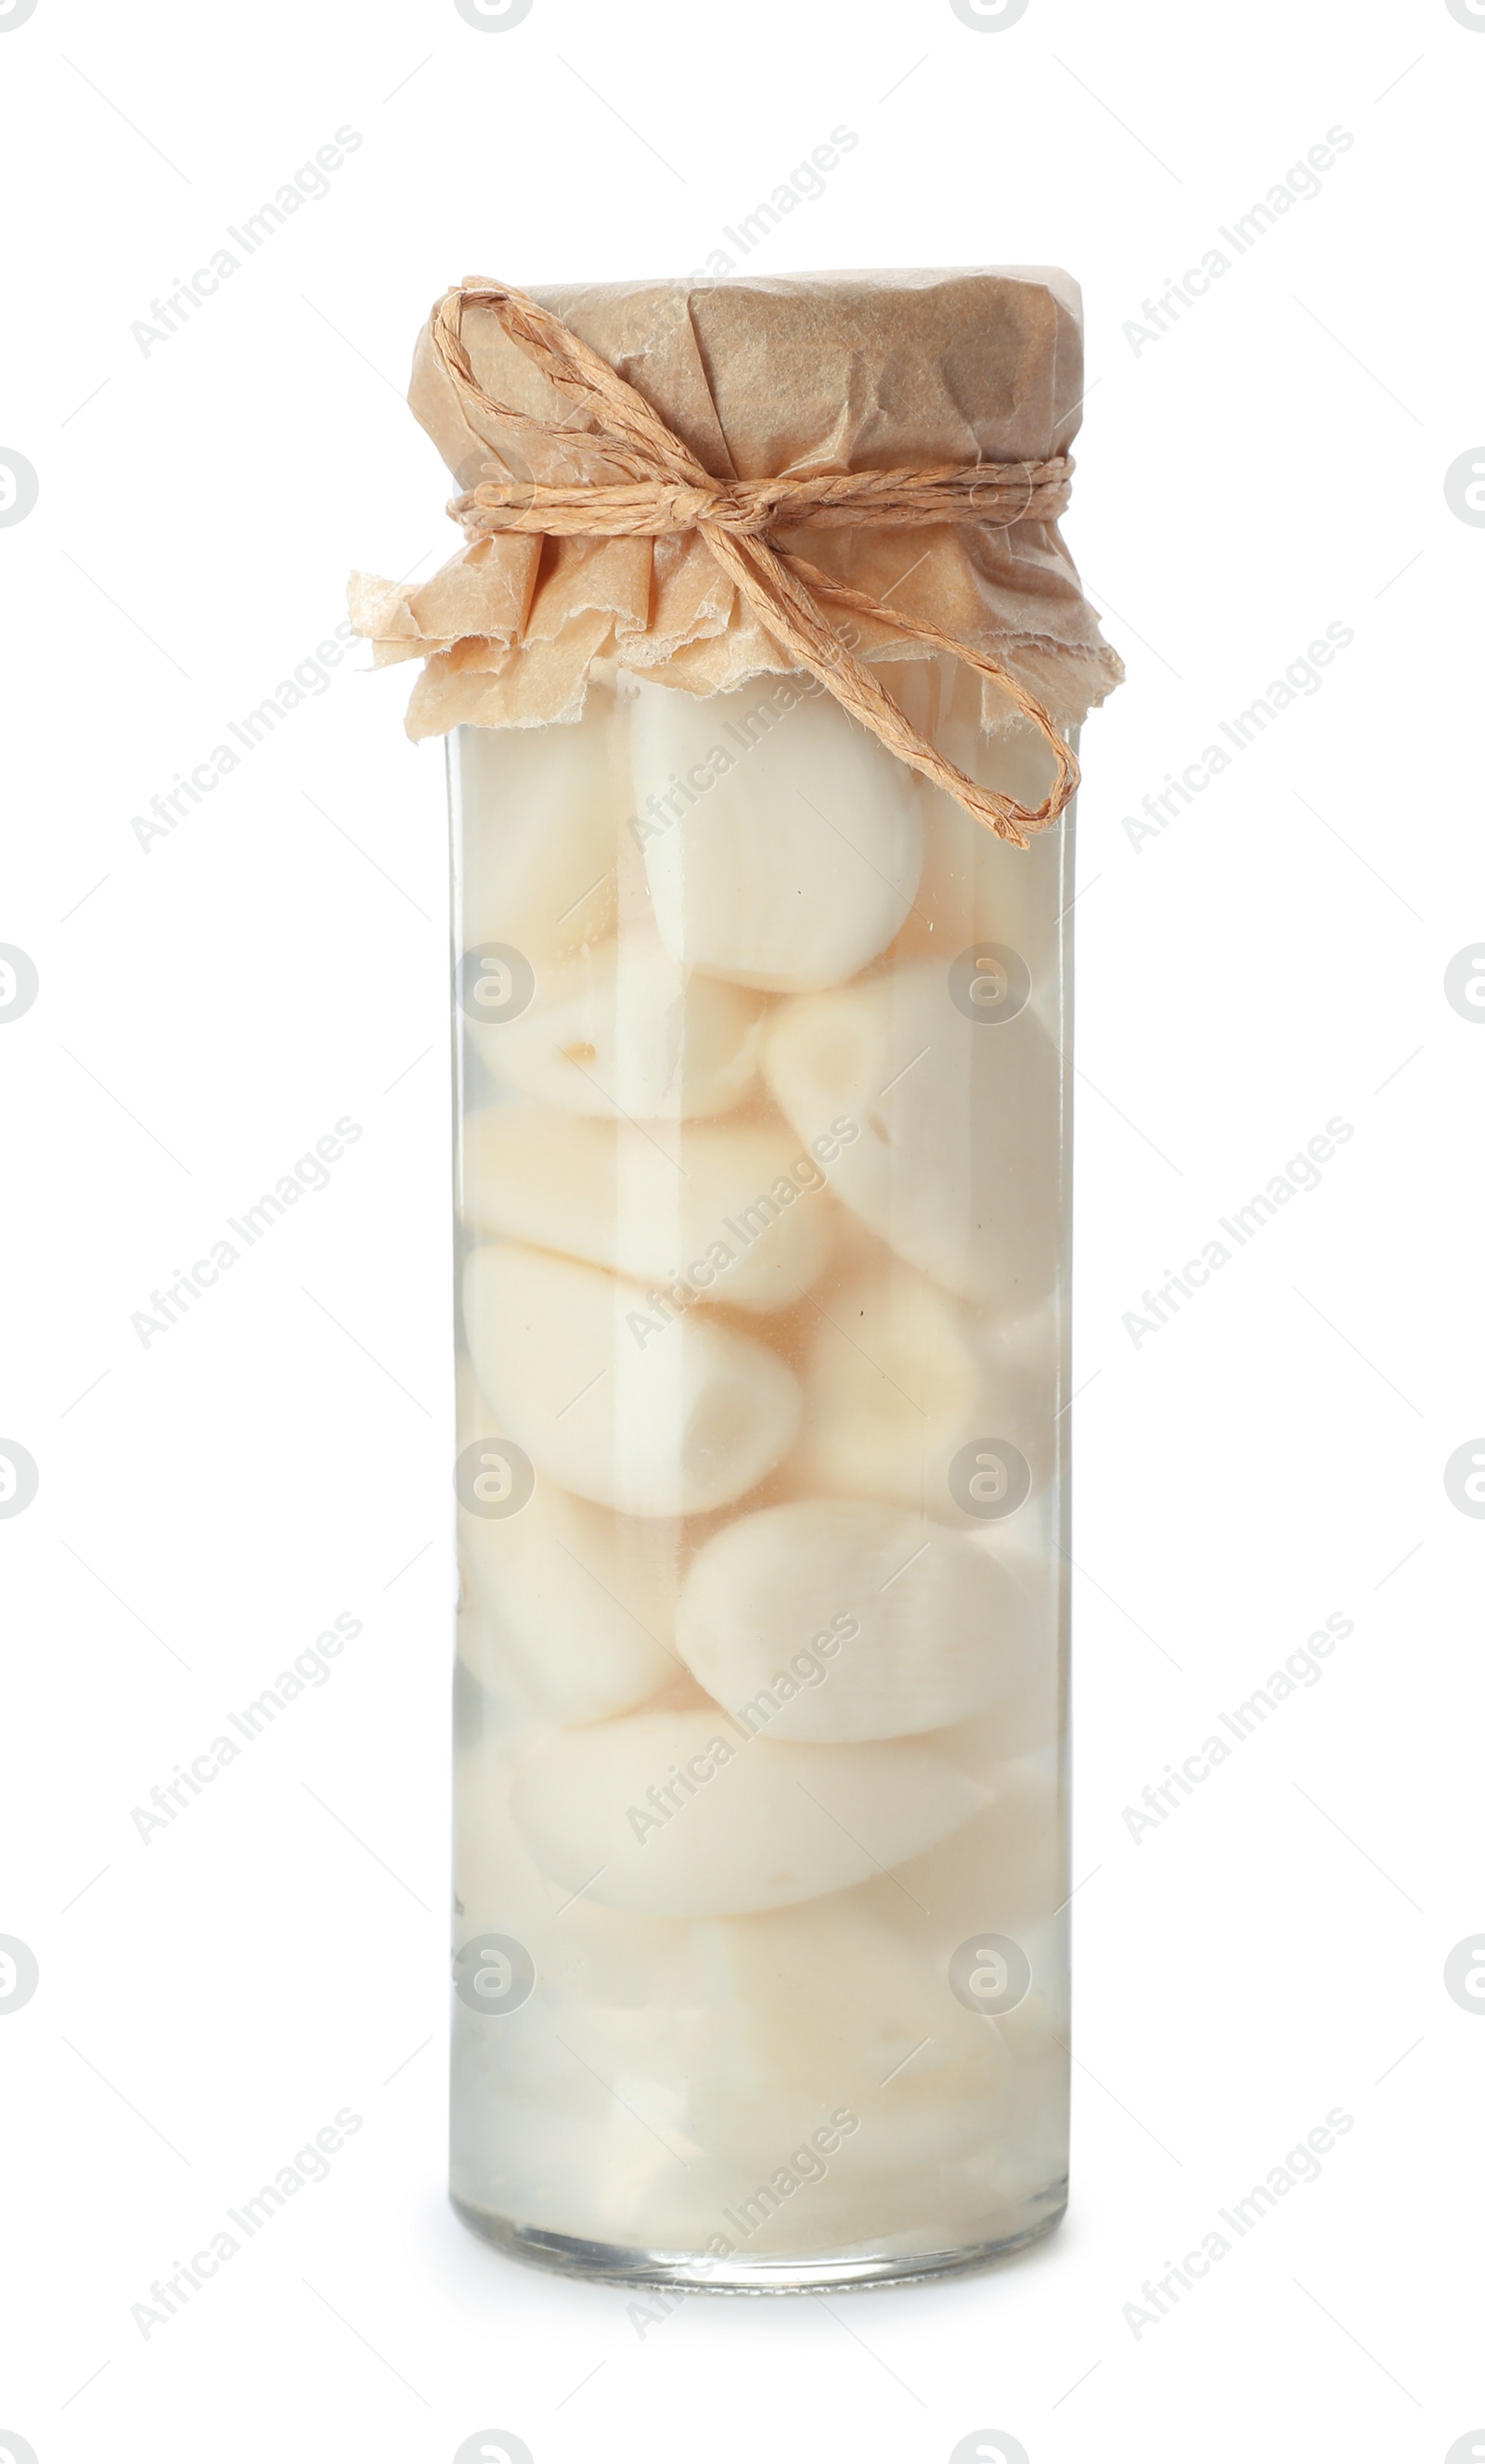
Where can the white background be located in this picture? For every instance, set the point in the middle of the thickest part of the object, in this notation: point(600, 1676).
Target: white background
point(1272, 464)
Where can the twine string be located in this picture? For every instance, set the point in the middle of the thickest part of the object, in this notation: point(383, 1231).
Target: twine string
point(661, 489)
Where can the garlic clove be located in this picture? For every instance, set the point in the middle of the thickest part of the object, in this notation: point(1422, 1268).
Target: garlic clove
point(735, 1210)
point(682, 1814)
point(624, 1030)
point(891, 1388)
point(946, 1127)
point(782, 842)
point(835, 1619)
point(571, 1608)
point(541, 811)
point(613, 1396)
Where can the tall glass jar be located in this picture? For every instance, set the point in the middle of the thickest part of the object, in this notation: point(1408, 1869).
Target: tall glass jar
point(762, 1202)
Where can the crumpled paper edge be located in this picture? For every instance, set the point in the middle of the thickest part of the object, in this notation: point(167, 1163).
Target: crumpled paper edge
point(515, 675)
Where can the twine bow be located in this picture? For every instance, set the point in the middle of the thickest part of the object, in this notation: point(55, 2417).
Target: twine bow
point(665, 488)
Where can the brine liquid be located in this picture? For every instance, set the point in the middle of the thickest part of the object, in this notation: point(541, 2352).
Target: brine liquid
point(761, 1218)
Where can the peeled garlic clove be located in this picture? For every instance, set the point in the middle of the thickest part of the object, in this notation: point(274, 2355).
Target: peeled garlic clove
point(681, 1813)
point(1027, 1725)
point(623, 1030)
point(783, 843)
point(543, 809)
point(736, 1212)
point(615, 1397)
point(826, 2003)
point(833, 1619)
point(947, 1126)
point(608, 1955)
point(574, 1606)
point(903, 1389)
point(890, 1390)
point(1005, 1873)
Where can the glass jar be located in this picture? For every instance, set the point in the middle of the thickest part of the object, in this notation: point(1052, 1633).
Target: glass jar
point(761, 1205)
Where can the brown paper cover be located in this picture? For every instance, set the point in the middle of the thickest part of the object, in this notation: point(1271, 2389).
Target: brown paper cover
point(793, 375)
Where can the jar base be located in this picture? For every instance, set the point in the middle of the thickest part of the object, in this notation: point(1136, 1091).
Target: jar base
point(686, 2272)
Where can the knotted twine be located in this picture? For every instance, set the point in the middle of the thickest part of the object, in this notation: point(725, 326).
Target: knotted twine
point(665, 490)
